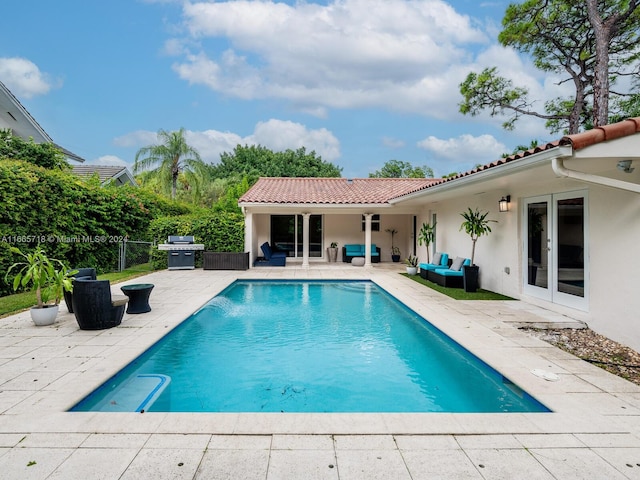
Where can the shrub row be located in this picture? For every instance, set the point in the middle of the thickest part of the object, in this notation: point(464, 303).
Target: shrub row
point(79, 222)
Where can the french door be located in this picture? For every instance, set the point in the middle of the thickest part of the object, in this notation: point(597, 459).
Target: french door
point(286, 234)
point(555, 260)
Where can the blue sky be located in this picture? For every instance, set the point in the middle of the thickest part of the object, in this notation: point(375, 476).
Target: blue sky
point(360, 82)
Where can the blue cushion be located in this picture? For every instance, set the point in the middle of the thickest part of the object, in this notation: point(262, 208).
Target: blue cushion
point(444, 260)
point(447, 272)
point(269, 254)
point(266, 249)
point(428, 266)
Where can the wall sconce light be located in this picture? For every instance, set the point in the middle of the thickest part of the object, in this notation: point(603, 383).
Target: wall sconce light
point(503, 203)
point(625, 166)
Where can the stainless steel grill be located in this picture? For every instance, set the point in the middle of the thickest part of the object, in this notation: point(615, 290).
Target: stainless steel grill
point(181, 251)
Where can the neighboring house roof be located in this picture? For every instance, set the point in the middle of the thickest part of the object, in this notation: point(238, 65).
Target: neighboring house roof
point(337, 191)
point(118, 174)
point(15, 117)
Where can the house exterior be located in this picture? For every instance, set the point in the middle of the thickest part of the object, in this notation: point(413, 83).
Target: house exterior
point(15, 117)
point(108, 174)
point(568, 242)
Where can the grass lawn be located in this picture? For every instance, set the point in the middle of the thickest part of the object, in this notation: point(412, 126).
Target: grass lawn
point(21, 301)
point(458, 293)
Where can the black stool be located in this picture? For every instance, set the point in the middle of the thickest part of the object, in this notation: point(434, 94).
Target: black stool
point(138, 294)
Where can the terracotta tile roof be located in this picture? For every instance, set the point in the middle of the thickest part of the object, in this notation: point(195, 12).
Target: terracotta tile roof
point(605, 133)
point(332, 190)
point(382, 190)
point(577, 141)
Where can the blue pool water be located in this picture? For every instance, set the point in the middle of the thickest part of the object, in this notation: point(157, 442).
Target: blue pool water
point(307, 346)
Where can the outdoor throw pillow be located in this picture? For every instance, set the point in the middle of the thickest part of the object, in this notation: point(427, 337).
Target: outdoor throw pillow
point(457, 264)
point(436, 258)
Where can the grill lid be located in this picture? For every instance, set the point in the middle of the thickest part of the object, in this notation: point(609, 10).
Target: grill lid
point(181, 239)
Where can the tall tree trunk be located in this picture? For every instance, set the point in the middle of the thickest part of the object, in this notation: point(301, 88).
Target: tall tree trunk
point(605, 29)
point(602, 32)
point(578, 107)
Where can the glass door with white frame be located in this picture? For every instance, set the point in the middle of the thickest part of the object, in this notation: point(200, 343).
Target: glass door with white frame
point(537, 237)
point(555, 267)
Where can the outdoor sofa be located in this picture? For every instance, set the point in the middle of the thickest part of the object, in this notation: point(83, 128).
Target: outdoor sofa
point(353, 250)
point(450, 277)
point(271, 258)
point(440, 260)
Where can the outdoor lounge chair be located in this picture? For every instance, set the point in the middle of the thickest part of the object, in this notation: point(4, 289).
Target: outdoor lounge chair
point(440, 260)
point(450, 277)
point(94, 306)
point(271, 258)
point(355, 250)
point(86, 273)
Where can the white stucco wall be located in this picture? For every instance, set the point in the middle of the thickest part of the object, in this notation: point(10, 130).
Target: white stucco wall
point(613, 265)
point(494, 252)
point(614, 307)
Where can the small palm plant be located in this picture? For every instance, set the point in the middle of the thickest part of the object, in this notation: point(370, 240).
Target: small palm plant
point(475, 225)
point(40, 272)
point(426, 237)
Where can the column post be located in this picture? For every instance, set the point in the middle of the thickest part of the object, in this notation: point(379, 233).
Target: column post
point(367, 239)
point(305, 239)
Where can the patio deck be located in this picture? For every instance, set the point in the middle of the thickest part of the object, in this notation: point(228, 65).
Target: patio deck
point(593, 432)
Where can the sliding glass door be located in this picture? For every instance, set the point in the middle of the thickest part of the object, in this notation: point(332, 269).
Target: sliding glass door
point(555, 265)
point(286, 234)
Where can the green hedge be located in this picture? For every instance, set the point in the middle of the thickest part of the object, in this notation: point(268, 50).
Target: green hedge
point(218, 231)
point(79, 222)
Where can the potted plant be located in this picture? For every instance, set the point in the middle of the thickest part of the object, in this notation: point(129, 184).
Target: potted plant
point(332, 252)
point(395, 251)
point(39, 272)
point(475, 224)
point(426, 236)
point(412, 264)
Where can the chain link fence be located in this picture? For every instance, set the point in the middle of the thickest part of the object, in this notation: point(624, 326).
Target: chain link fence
point(135, 255)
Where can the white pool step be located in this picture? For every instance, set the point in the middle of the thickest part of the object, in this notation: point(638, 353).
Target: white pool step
point(136, 395)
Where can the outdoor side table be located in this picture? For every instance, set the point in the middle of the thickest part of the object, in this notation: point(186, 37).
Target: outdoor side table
point(138, 294)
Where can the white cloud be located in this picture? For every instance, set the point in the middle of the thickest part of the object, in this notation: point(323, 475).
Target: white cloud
point(281, 135)
point(24, 78)
point(392, 142)
point(393, 54)
point(277, 135)
point(139, 138)
point(109, 160)
point(212, 143)
point(464, 151)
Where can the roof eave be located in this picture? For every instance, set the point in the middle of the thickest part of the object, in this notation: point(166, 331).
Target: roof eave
point(312, 205)
point(507, 168)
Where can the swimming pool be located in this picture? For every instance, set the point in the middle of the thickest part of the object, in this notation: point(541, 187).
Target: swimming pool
point(307, 346)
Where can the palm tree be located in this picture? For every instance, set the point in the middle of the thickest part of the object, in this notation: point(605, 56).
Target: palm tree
point(169, 158)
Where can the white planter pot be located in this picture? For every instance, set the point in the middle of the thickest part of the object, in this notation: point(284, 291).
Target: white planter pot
point(412, 270)
point(44, 316)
